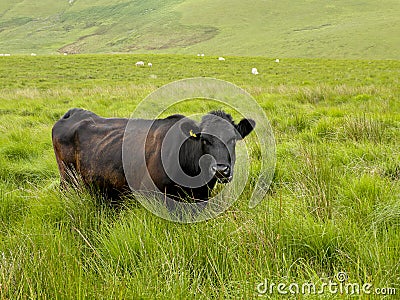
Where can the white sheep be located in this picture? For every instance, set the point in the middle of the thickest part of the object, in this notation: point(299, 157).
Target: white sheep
point(221, 58)
point(277, 60)
point(139, 64)
point(150, 64)
point(254, 71)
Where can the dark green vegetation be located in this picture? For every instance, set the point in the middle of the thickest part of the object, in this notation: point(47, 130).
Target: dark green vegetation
point(285, 28)
point(333, 206)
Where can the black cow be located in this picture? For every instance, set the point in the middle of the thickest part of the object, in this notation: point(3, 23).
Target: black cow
point(174, 156)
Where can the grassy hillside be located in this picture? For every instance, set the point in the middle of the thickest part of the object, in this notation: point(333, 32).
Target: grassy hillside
point(335, 29)
point(333, 206)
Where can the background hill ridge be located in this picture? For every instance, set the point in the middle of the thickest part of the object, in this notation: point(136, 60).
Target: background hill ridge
point(286, 28)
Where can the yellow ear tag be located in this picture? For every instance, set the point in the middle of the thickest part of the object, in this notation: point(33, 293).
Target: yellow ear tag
point(192, 133)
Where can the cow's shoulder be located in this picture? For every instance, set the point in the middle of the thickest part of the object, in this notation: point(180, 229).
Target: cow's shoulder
point(175, 117)
point(165, 123)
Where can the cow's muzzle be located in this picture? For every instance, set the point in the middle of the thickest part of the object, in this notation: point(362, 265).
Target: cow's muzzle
point(222, 172)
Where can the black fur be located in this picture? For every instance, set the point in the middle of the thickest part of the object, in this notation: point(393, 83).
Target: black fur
point(91, 146)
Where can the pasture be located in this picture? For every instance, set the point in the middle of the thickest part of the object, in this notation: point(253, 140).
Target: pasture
point(333, 206)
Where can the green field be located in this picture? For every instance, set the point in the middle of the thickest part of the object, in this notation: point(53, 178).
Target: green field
point(333, 205)
point(314, 28)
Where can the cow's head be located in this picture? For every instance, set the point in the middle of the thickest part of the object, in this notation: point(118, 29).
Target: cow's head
point(216, 136)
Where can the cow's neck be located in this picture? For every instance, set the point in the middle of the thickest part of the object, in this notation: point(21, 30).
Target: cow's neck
point(189, 157)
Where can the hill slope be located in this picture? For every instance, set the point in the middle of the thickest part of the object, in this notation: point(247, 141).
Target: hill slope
point(286, 28)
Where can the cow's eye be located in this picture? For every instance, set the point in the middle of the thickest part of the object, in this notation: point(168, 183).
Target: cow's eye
point(206, 142)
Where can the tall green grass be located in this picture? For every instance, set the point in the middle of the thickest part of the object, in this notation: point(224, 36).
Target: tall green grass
point(333, 205)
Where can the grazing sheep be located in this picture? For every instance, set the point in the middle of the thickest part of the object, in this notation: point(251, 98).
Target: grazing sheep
point(277, 60)
point(221, 58)
point(33, 54)
point(139, 64)
point(254, 71)
point(150, 65)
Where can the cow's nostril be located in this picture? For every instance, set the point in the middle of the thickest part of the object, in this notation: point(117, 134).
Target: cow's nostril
point(226, 170)
point(221, 169)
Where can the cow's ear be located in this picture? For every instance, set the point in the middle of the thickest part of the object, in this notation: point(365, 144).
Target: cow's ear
point(191, 130)
point(244, 127)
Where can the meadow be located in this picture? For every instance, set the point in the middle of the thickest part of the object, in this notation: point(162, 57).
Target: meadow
point(333, 206)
